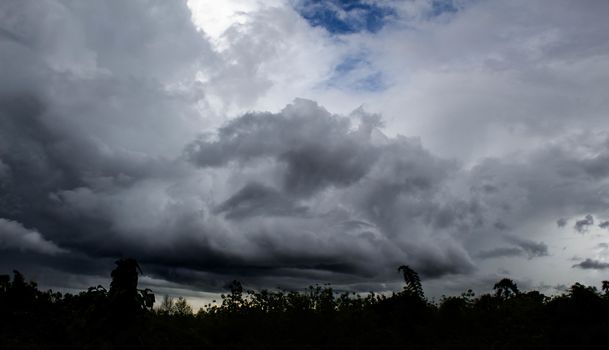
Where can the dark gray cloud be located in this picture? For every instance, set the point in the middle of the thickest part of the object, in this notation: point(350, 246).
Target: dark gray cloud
point(521, 247)
point(316, 148)
point(582, 225)
point(317, 195)
point(257, 199)
point(539, 186)
point(562, 222)
point(531, 248)
point(83, 102)
point(320, 162)
point(108, 149)
point(107, 205)
point(301, 195)
point(590, 264)
point(500, 252)
point(604, 224)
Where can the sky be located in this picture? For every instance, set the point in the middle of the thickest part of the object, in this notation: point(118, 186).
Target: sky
point(285, 143)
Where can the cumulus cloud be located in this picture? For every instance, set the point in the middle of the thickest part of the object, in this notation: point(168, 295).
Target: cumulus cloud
point(324, 168)
point(117, 139)
point(316, 148)
point(86, 93)
point(301, 190)
point(266, 194)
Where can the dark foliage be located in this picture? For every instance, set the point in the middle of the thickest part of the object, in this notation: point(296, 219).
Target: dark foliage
point(317, 318)
point(412, 280)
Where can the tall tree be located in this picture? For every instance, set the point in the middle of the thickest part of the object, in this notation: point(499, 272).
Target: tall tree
point(506, 288)
point(412, 280)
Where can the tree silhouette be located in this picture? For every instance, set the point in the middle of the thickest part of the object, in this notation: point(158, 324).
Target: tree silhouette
point(175, 307)
point(506, 288)
point(123, 288)
point(181, 307)
point(412, 280)
point(166, 306)
point(124, 295)
point(315, 318)
point(234, 301)
point(127, 304)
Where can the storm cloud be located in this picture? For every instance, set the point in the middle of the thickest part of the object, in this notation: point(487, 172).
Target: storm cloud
point(127, 130)
point(319, 173)
point(302, 190)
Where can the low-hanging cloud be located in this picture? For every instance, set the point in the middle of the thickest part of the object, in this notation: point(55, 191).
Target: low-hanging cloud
point(14, 236)
point(591, 264)
point(520, 247)
point(531, 248)
point(328, 169)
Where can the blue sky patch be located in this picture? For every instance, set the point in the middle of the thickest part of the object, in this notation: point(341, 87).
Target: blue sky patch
point(373, 82)
point(439, 7)
point(349, 64)
point(356, 73)
point(344, 16)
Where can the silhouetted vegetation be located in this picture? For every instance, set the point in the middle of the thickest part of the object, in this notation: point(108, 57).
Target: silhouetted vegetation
point(317, 318)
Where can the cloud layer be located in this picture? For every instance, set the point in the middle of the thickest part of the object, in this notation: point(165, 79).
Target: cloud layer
point(128, 130)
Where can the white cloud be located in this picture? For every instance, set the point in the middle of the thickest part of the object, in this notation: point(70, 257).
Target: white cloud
point(474, 84)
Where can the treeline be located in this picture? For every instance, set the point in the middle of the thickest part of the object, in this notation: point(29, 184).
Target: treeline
point(317, 318)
